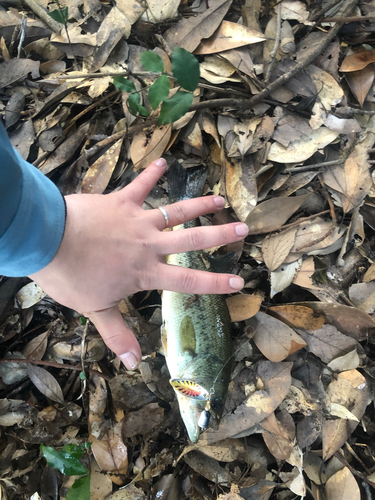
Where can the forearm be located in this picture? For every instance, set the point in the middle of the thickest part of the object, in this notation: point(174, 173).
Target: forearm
point(32, 214)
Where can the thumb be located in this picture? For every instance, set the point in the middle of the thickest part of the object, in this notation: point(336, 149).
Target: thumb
point(118, 337)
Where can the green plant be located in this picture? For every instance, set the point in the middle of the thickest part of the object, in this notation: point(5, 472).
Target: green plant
point(185, 69)
point(68, 462)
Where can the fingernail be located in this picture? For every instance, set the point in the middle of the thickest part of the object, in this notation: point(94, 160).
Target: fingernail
point(236, 283)
point(219, 201)
point(161, 163)
point(241, 230)
point(130, 360)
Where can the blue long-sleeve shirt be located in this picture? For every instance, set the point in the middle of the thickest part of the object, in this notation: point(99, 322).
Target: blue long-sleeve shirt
point(32, 214)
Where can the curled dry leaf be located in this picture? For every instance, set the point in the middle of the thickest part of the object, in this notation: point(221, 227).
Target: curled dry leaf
point(46, 383)
point(342, 486)
point(297, 316)
point(272, 214)
point(360, 82)
point(29, 295)
point(327, 342)
point(276, 380)
point(241, 186)
point(283, 276)
point(144, 150)
point(242, 307)
point(229, 36)
point(276, 247)
point(349, 361)
point(274, 339)
point(358, 60)
point(100, 172)
point(350, 390)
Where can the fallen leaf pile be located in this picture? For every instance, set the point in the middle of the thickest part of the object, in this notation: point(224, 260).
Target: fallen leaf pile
point(284, 118)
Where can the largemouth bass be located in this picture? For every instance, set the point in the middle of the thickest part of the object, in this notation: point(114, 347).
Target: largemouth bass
point(196, 332)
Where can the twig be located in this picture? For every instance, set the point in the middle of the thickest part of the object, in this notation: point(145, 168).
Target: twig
point(43, 15)
point(328, 198)
point(306, 168)
point(352, 470)
point(304, 219)
point(276, 46)
point(319, 240)
point(52, 364)
point(352, 19)
point(22, 35)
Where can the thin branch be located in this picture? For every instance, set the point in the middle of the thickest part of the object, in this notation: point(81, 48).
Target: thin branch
point(43, 15)
point(328, 198)
point(352, 470)
point(304, 219)
point(52, 364)
point(306, 168)
point(276, 46)
point(22, 35)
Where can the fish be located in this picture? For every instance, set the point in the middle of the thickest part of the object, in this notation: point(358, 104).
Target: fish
point(196, 329)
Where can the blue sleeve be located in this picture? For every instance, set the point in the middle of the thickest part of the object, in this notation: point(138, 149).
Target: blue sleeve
point(32, 214)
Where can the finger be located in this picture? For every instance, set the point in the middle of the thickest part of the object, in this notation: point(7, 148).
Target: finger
point(184, 280)
point(118, 337)
point(186, 210)
point(142, 185)
point(199, 238)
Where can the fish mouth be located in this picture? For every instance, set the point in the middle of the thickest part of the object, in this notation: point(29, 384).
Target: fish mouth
point(190, 412)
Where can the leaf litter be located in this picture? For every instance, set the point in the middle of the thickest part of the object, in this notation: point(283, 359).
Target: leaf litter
point(291, 151)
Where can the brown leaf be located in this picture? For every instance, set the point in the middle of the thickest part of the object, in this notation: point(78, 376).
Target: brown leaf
point(297, 316)
point(143, 421)
point(67, 149)
point(272, 214)
point(276, 380)
point(46, 383)
point(241, 186)
point(143, 150)
point(17, 69)
point(315, 235)
point(100, 172)
point(36, 348)
point(369, 274)
point(227, 450)
point(188, 32)
point(350, 390)
point(360, 82)
point(304, 276)
point(276, 247)
point(242, 307)
point(342, 486)
point(279, 439)
point(358, 60)
point(284, 275)
point(23, 138)
point(327, 342)
point(229, 36)
point(274, 339)
point(207, 467)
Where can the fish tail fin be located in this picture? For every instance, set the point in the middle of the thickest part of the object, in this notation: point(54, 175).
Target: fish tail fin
point(185, 183)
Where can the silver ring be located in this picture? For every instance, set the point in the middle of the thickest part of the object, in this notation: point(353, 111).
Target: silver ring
point(165, 216)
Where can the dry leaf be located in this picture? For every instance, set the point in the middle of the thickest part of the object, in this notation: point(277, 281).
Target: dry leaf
point(276, 381)
point(143, 150)
point(303, 148)
point(272, 214)
point(227, 450)
point(278, 438)
point(241, 186)
point(29, 295)
point(304, 275)
point(36, 348)
point(283, 276)
point(46, 383)
point(274, 339)
point(360, 82)
point(369, 274)
point(358, 60)
point(17, 69)
point(297, 316)
point(99, 173)
point(276, 247)
point(160, 10)
point(294, 9)
point(242, 307)
point(229, 36)
point(342, 486)
point(188, 32)
point(100, 485)
point(207, 467)
point(349, 361)
point(327, 342)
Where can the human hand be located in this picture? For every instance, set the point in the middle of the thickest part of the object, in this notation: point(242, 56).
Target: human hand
point(113, 248)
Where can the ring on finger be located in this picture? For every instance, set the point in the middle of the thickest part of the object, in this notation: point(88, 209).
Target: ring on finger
point(162, 210)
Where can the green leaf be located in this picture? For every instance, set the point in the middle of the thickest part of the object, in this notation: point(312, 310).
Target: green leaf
point(62, 461)
point(185, 68)
point(159, 91)
point(80, 490)
point(73, 450)
point(60, 15)
point(124, 84)
point(174, 108)
point(134, 105)
point(86, 445)
point(152, 62)
point(82, 375)
point(82, 320)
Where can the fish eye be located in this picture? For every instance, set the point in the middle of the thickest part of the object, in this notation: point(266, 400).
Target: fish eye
point(217, 404)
